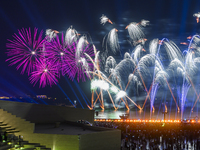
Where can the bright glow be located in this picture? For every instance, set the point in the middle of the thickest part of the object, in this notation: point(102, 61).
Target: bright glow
point(94, 84)
point(114, 89)
point(61, 53)
point(105, 19)
point(121, 94)
point(18, 50)
point(99, 84)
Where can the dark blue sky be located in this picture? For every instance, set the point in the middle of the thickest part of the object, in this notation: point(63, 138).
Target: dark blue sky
point(168, 18)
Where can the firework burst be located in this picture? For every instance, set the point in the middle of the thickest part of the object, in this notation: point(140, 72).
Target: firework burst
point(25, 50)
point(78, 62)
point(46, 73)
point(57, 53)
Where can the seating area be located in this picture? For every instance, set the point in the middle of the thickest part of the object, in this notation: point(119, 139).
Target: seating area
point(156, 136)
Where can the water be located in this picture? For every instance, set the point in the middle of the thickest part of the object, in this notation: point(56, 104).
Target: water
point(145, 115)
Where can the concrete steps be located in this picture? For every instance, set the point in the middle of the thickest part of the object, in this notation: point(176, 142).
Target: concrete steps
point(25, 145)
point(17, 126)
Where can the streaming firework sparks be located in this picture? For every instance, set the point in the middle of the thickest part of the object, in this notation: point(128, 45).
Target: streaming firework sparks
point(50, 34)
point(72, 55)
point(144, 23)
point(105, 19)
point(79, 64)
point(197, 15)
point(110, 64)
point(25, 50)
point(71, 36)
point(112, 41)
point(135, 31)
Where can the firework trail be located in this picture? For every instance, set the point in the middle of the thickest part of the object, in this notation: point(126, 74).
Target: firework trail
point(71, 36)
point(105, 19)
point(134, 84)
point(160, 79)
point(79, 65)
point(173, 51)
point(122, 71)
point(197, 15)
point(135, 32)
point(144, 65)
point(136, 53)
point(81, 45)
point(153, 46)
point(50, 34)
point(110, 64)
point(111, 41)
point(25, 50)
point(127, 56)
point(144, 23)
point(186, 70)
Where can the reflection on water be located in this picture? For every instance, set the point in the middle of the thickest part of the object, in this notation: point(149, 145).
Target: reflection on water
point(143, 115)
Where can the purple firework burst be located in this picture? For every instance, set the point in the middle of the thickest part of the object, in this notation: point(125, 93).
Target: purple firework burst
point(65, 56)
point(46, 73)
point(25, 50)
point(57, 51)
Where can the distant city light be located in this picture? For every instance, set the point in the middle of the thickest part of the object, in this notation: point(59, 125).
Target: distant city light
point(41, 96)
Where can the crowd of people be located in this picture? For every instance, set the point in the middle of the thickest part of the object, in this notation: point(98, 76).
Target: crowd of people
point(157, 136)
point(9, 138)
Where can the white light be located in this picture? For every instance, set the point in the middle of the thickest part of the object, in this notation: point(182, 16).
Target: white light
point(120, 94)
point(114, 89)
point(94, 84)
point(103, 85)
point(33, 52)
point(45, 70)
point(99, 84)
point(61, 53)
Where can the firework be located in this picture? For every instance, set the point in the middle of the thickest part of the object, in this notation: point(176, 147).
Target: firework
point(79, 64)
point(71, 36)
point(153, 46)
point(114, 89)
point(173, 51)
point(46, 73)
point(110, 64)
point(112, 41)
point(144, 23)
point(197, 15)
point(136, 53)
point(105, 19)
point(58, 52)
point(127, 56)
point(135, 31)
point(120, 94)
point(25, 50)
point(50, 34)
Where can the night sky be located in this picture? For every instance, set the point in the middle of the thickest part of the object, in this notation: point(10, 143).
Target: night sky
point(168, 18)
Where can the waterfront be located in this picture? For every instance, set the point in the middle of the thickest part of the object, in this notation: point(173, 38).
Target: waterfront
point(143, 115)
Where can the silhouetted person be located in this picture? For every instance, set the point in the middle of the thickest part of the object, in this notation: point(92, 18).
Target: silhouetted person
point(5, 136)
